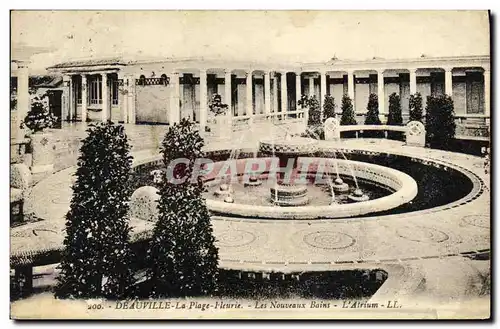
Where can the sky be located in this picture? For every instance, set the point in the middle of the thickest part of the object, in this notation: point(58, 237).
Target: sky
point(288, 36)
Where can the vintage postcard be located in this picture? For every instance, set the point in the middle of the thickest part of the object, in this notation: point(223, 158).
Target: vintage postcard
point(250, 165)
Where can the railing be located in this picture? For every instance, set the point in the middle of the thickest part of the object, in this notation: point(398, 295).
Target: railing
point(262, 117)
point(372, 127)
point(472, 119)
point(472, 126)
point(384, 128)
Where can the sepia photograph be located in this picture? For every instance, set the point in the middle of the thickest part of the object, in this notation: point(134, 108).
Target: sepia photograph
point(250, 164)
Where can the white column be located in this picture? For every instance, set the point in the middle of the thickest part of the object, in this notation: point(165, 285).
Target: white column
point(267, 93)
point(381, 92)
point(448, 85)
point(105, 98)
point(228, 92)
point(311, 86)
point(23, 96)
point(66, 107)
point(249, 103)
point(284, 93)
point(122, 97)
point(350, 85)
point(413, 81)
point(84, 97)
point(203, 100)
point(350, 89)
point(71, 99)
point(487, 85)
point(131, 99)
point(298, 90)
point(322, 79)
point(174, 113)
point(275, 93)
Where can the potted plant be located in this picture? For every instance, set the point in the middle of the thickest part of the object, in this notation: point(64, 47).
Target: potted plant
point(218, 110)
point(38, 121)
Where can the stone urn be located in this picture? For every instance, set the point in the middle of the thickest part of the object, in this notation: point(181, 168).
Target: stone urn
point(42, 162)
point(223, 127)
point(415, 134)
point(331, 129)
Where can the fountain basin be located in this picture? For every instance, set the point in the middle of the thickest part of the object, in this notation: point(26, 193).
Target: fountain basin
point(339, 186)
point(253, 181)
point(289, 195)
point(358, 196)
point(293, 146)
point(223, 191)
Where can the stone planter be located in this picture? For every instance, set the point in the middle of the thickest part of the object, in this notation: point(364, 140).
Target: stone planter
point(415, 135)
point(331, 128)
point(42, 163)
point(223, 127)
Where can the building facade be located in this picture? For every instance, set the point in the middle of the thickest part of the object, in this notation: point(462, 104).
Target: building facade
point(165, 90)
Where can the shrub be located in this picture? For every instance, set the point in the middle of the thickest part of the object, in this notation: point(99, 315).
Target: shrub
point(313, 108)
point(395, 118)
point(216, 106)
point(440, 121)
point(97, 257)
point(415, 105)
point(182, 255)
point(372, 117)
point(317, 132)
point(39, 117)
point(329, 107)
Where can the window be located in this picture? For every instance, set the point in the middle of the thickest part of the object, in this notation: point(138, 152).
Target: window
point(475, 93)
point(94, 92)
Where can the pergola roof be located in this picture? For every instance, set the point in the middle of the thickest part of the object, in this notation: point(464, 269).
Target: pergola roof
point(212, 63)
point(91, 62)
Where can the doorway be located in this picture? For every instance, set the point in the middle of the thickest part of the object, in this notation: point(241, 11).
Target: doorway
point(55, 106)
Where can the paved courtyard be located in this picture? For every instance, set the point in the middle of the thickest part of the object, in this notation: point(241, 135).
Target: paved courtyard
point(297, 245)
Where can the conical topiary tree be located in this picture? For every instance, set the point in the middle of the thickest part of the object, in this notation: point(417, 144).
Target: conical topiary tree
point(328, 107)
point(97, 256)
point(372, 117)
point(440, 121)
point(314, 112)
point(415, 105)
point(182, 256)
point(348, 116)
point(395, 118)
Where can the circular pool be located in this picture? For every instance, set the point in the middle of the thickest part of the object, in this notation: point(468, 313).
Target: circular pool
point(388, 188)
